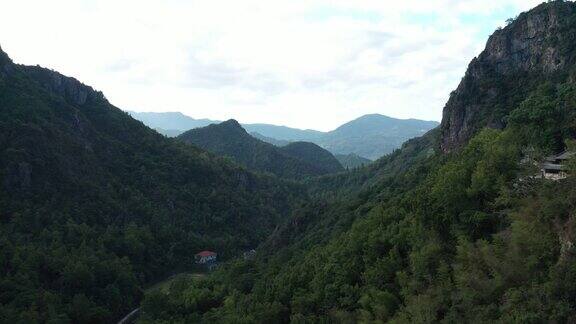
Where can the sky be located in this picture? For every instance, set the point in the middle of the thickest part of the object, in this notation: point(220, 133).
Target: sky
point(301, 63)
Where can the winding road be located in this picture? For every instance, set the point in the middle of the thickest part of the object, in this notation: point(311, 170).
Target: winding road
point(130, 317)
point(133, 315)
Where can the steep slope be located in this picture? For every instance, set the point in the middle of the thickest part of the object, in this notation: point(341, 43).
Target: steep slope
point(169, 132)
point(425, 237)
point(230, 139)
point(273, 141)
point(93, 204)
point(314, 155)
point(372, 136)
point(536, 47)
point(352, 161)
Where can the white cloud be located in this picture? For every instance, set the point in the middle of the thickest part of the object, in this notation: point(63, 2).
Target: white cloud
point(308, 64)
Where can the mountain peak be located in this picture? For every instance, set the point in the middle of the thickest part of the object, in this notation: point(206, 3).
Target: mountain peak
point(5, 61)
point(371, 116)
point(537, 45)
point(4, 57)
point(231, 123)
point(527, 44)
point(231, 126)
point(230, 139)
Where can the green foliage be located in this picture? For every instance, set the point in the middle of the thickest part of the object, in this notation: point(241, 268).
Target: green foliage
point(94, 205)
point(466, 237)
point(352, 161)
point(314, 155)
point(546, 117)
point(295, 161)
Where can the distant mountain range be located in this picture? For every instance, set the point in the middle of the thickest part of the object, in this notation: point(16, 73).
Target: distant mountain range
point(370, 136)
point(170, 123)
point(274, 141)
point(296, 160)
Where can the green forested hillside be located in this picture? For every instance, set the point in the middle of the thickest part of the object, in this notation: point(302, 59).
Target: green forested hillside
point(352, 161)
point(468, 234)
point(464, 237)
point(273, 141)
point(314, 155)
point(369, 136)
point(93, 204)
point(294, 162)
point(457, 226)
point(373, 136)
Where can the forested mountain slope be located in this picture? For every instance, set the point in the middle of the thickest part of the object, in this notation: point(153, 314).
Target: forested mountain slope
point(93, 204)
point(313, 154)
point(373, 136)
point(273, 141)
point(447, 229)
point(369, 136)
point(352, 161)
point(230, 139)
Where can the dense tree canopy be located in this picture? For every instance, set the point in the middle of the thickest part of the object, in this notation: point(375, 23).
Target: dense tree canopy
point(94, 205)
point(471, 236)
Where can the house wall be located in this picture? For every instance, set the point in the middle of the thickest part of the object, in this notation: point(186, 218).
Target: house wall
point(555, 176)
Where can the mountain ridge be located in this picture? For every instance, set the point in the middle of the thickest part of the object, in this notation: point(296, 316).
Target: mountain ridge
point(457, 226)
point(231, 139)
point(94, 205)
point(370, 136)
point(315, 155)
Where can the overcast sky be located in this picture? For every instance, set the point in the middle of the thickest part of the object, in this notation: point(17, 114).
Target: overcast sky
point(301, 63)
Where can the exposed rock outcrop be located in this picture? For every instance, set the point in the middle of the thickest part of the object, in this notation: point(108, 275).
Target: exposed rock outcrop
point(566, 237)
point(540, 43)
point(69, 88)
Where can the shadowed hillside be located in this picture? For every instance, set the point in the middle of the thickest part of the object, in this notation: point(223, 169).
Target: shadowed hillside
point(93, 204)
point(230, 139)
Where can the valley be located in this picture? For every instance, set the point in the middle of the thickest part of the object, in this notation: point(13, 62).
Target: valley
point(108, 215)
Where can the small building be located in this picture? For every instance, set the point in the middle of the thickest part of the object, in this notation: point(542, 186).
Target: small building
point(207, 259)
point(554, 167)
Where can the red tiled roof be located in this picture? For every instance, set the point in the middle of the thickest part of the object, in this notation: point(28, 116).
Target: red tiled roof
point(206, 253)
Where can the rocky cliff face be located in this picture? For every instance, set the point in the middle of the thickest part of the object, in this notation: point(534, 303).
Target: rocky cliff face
point(538, 45)
point(69, 88)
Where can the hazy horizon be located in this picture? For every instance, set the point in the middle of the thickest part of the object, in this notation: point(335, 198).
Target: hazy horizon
point(312, 65)
point(281, 125)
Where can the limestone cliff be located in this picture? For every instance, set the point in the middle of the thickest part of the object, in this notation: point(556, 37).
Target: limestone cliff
point(537, 46)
